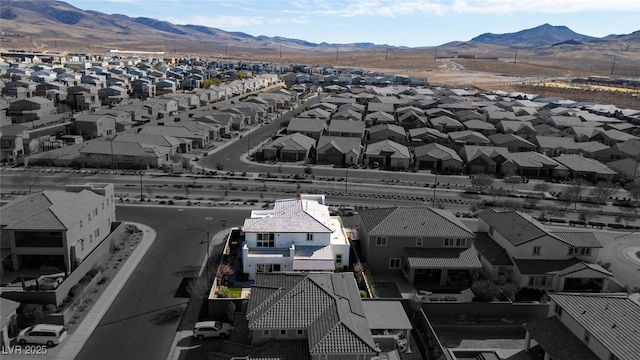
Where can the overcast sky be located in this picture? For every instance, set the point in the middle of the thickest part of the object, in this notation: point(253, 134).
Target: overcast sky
point(411, 23)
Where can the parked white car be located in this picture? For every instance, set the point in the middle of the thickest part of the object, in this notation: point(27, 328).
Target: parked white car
point(46, 334)
point(206, 329)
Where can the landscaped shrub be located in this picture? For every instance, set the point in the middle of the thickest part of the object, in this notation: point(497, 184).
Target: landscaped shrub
point(31, 314)
point(223, 292)
point(485, 290)
point(93, 272)
point(85, 279)
point(49, 308)
point(363, 294)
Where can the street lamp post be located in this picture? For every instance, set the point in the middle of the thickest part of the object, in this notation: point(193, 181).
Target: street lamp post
point(207, 255)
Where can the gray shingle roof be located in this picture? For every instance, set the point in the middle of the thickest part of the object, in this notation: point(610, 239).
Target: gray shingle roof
point(490, 250)
point(292, 215)
point(579, 163)
point(612, 319)
point(327, 305)
point(404, 221)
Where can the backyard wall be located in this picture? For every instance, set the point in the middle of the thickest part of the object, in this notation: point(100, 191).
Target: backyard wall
point(484, 311)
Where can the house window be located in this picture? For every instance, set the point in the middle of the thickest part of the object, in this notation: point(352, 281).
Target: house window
point(266, 332)
point(339, 258)
point(536, 250)
point(95, 212)
point(90, 239)
point(266, 240)
point(585, 251)
point(587, 337)
point(97, 233)
point(80, 223)
point(419, 242)
point(300, 332)
point(541, 281)
point(309, 237)
point(455, 242)
point(81, 245)
point(394, 263)
point(381, 241)
point(283, 332)
point(89, 217)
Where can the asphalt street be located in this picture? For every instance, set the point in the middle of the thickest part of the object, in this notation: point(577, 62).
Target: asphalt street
point(142, 321)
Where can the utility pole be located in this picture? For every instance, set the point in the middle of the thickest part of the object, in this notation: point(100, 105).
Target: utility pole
point(141, 195)
point(346, 183)
point(515, 58)
point(614, 65)
point(336, 54)
point(386, 55)
point(435, 185)
point(207, 255)
point(435, 55)
point(280, 51)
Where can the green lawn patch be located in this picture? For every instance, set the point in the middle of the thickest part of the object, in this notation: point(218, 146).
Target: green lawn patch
point(235, 292)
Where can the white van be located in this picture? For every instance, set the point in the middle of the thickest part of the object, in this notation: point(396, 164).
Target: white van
point(45, 334)
point(348, 211)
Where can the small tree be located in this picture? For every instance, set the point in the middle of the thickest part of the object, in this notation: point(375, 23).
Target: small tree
point(485, 290)
point(308, 170)
point(359, 269)
point(27, 180)
point(198, 287)
point(482, 181)
point(573, 192)
point(602, 191)
point(225, 271)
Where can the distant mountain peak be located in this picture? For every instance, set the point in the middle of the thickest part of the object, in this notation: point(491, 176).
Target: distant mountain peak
point(542, 35)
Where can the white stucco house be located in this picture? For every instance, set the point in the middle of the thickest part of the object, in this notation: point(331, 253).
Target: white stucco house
point(296, 235)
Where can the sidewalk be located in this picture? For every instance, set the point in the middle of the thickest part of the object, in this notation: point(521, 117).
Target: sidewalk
point(74, 344)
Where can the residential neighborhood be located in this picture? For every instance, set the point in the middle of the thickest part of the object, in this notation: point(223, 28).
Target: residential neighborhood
point(277, 262)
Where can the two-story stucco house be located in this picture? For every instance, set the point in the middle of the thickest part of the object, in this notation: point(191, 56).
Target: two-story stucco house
point(296, 235)
point(57, 229)
point(431, 247)
point(524, 251)
point(588, 327)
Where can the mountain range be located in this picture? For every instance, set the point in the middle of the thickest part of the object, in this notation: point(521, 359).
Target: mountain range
point(56, 24)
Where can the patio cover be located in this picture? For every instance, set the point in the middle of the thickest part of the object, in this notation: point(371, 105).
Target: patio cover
point(443, 258)
point(313, 258)
point(386, 315)
point(558, 341)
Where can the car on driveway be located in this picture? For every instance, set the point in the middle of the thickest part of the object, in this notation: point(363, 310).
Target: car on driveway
point(207, 329)
point(46, 334)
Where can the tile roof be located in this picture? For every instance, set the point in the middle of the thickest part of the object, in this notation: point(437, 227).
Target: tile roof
point(390, 127)
point(490, 250)
point(293, 216)
point(476, 124)
point(516, 227)
point(592, 146)
point(612, 319)
point(443, 258)
point(388, 146)
point(558, 341)
point(346, 126)
point(553, 142)
point(471, 152)
point(579, 238)
point(327, 305)
point(342, 144)
point(49, 210)
point(532, 159)
point(469, 136)
point(556, 267)
point(437, 151)
point(305, 124)
point(502, 139)
point(445, 121)
point(406, 221)
point(295, 141)
point(579, 163)
point(418, 133)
